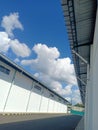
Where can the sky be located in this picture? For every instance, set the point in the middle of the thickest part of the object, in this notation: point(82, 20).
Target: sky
point(33, 34)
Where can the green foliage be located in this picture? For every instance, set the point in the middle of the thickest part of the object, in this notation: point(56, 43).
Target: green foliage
point(79, 105)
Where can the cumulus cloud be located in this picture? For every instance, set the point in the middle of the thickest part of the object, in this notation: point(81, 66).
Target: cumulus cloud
point(44, 51)
point(55, 85)
point(4, 42)
point(53, 70)
point(16, 60)
point(49, 63)
point(68, 99)
point(76, 96)
point(11, 22)
point(64, 91)
point(20, 49)
point(50, 68)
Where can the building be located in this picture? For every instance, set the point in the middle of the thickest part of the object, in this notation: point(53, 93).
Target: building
point(81, 18)
point(21, 92)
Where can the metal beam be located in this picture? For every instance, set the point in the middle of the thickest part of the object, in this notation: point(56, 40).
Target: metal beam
point(81, 45)
point(81, 81)
point(85, 61)
point(82, 73)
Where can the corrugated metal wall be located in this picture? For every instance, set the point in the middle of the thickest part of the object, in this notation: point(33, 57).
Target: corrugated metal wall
point(19, 93)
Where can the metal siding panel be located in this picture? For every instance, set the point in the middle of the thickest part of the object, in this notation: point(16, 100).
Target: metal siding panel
point(44, 103)
point(56, 104)
point(5, 83)
point(34, 104)
point(56, 107)
point(65, 108)
point(51, 105)
point(59, 107)
point(19, 94)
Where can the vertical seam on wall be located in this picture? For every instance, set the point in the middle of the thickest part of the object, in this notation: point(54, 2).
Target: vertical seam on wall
point(9, 90)
point(29, 96)
point(48, 103)
point(41, 100)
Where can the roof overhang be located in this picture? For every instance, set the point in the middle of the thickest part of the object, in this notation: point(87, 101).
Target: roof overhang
point(80, 16)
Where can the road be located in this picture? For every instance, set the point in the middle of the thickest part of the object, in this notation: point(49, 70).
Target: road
point(59, 122)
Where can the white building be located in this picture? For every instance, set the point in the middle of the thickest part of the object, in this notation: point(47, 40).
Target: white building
point(21, 92)
point(81, 18)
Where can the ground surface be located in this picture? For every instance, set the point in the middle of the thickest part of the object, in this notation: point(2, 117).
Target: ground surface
point(39, 122)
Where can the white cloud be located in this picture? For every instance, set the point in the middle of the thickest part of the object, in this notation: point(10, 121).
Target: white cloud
point(54, 71)
point(49, 67)
point(68, 92)
point(11, 22)
point(55, 85)
point(20, 49)
point(16, 60)
point(4, 42)
point(36, 75)
point(49, 63)
point(43, 51)
point(68, 99)
point(76, 96)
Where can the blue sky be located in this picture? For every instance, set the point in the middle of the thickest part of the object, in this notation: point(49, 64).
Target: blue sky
point(33, 34)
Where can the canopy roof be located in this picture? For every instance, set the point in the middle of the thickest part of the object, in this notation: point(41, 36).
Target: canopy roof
point(80, 18)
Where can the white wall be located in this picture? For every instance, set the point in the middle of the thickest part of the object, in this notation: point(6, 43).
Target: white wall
point(18, 93)
point(35, 100)
point(91, 117)
point(56, 105)
point(65, 108)
point(45, 101)
point(95, 79)
point(50, 103)
point(5, 84)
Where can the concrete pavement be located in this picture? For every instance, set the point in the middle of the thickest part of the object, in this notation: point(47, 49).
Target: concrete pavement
point(43, 122)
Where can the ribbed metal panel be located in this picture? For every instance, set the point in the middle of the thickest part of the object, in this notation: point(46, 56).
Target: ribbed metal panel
point(80, 21)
